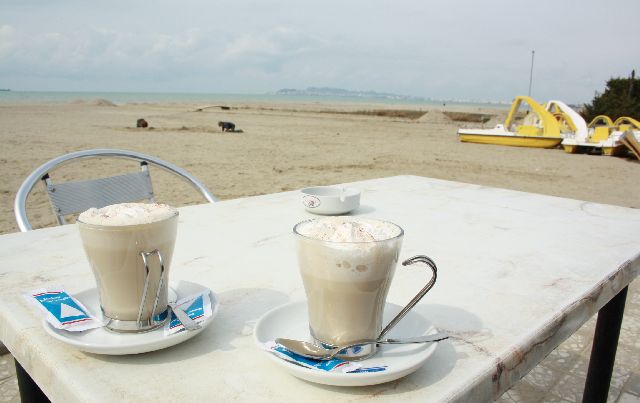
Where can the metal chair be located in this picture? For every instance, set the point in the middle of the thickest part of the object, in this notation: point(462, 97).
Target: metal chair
point(75, 197)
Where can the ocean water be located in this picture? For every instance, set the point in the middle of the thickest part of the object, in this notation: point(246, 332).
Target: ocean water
point(120, 98)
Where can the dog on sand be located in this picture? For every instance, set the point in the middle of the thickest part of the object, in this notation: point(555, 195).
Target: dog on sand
point(227, 126)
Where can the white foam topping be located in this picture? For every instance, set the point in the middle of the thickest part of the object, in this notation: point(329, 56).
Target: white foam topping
point(348, 229)
point(127, 214)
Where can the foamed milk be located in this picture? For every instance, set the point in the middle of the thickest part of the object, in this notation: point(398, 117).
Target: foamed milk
point(113, 238)
point(347, 265)
point(127, 214)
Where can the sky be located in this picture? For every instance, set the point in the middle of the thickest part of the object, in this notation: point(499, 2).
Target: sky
point(457, 49)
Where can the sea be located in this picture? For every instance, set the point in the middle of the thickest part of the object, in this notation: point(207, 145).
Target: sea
point(121, 98)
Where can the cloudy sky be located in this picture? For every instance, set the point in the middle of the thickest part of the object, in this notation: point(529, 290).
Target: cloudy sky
point(458, 49)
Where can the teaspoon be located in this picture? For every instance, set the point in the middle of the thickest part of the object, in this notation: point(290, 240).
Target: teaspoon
point(314, 351)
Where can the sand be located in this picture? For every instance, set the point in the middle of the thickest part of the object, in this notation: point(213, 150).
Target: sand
point(287, 146)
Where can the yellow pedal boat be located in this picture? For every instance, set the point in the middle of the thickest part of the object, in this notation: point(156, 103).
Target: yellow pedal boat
point(572, 125)
point(603, 134)
point(626, 123)
point(539, 129)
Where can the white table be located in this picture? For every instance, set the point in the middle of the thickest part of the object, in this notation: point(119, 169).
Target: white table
point(518, 274)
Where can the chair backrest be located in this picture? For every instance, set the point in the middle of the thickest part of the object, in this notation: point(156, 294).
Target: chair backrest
point(75, 197)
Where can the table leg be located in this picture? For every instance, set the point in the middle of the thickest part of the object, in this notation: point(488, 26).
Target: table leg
point(29, 390)
point(603, 352)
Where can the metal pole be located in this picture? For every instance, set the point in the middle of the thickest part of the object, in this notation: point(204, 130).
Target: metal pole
point(533, 52)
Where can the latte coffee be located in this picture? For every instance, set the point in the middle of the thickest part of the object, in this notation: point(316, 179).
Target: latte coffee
point(347, 265)
point(115, 238)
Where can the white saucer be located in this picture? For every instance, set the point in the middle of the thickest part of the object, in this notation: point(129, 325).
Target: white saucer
point(291, 321)
point(103, 341)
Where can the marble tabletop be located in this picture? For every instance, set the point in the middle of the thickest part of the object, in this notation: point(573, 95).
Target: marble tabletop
point(518, 274)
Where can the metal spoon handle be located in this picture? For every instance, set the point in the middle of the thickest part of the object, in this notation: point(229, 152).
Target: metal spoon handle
point(421, 339)
point(410, 340)
point(184, 318)
point(423, 259)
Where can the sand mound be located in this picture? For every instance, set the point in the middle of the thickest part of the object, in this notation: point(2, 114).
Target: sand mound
point(434, 117)
point(94, 102)
point(102, 102)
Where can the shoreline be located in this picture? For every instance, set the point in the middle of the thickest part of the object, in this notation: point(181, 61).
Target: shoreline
point(154, 98)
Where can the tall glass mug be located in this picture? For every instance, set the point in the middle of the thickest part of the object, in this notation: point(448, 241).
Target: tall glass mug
point(347, 265)
point(130, 255)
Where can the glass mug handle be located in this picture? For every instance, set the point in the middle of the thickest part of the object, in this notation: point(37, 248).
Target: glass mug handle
point(144, 256)
point(421, 259)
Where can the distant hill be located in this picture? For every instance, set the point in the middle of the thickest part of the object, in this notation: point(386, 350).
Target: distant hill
point(339, 92)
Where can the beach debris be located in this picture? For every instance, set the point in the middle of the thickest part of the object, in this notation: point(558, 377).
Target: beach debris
point(142, 123)
point(223, 107)
point(629, 140)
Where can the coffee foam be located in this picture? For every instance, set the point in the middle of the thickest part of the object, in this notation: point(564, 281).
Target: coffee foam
point(348, 229)
point(350, 249)
point(127, 214)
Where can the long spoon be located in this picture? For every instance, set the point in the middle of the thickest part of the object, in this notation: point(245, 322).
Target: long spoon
point(316, 352)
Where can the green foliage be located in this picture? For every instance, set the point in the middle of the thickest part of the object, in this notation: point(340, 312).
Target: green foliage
point(621, 97)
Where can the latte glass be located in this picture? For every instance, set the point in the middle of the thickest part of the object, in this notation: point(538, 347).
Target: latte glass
point(131, 265)
point(347, 285)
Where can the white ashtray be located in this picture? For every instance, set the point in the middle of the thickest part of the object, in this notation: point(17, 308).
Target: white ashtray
point(328, 200)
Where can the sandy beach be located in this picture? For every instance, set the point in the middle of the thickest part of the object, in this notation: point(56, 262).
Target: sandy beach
point(286, 146)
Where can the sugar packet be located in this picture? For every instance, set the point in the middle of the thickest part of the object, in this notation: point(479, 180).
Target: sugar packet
point(197, 306)
point(333, 365)
point(62, 310)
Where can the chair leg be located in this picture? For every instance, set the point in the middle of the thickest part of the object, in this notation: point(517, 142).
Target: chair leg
point(603, 352)
point(29, 390)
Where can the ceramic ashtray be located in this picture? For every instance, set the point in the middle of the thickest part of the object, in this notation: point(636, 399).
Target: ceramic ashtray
point(328, 200)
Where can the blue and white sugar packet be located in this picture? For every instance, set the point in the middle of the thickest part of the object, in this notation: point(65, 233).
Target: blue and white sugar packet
point(198, 307)
point(62, 310)
point(333, 365)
